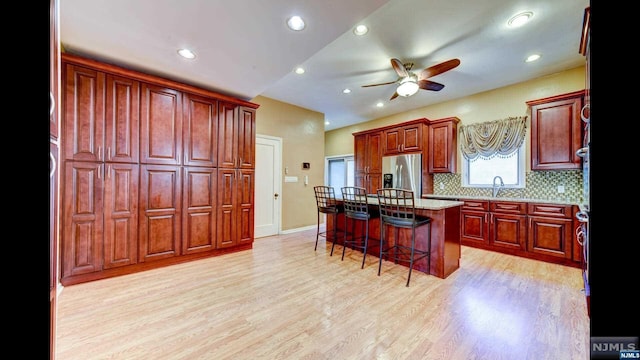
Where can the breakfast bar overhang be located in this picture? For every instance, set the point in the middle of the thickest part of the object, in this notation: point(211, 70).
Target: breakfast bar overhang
point(445, 234)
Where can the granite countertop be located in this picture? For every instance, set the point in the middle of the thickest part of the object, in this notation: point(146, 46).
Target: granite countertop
point(425, 204)
point(499, 198)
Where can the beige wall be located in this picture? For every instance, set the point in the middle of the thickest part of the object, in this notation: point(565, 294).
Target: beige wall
point(489, 105)
point(304, 139)
point(302, 133)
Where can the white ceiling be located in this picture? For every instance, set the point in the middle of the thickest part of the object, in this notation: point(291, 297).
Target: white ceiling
point(244, 48)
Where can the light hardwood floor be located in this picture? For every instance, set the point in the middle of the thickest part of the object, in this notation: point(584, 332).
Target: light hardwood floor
point(282, 300)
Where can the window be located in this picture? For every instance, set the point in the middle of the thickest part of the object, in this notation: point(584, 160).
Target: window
point(482, 171)
point(339, 171)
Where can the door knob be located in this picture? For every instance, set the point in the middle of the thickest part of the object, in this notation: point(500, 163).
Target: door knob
point(276, 195)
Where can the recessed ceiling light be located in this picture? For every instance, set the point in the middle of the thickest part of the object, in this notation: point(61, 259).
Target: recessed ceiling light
point(346, 91)
point(186, 53)
point(361, 30)
point(326, 122)
point(299, 71)
point(380, 104)
point(533, 57)
point(520, 19)
point(295, 23)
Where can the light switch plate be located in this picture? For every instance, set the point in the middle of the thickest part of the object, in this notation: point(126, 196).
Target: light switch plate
point(290, 179)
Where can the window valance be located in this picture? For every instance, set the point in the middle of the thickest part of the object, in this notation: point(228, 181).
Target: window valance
point(492, 138)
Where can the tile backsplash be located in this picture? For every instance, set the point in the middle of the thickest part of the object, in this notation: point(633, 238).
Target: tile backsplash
point(541, 185)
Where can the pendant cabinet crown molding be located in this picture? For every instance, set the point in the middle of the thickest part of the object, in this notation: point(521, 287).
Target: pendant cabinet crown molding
point(155, 172)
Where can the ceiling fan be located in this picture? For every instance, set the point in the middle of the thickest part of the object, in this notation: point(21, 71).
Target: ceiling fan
point(410, 83)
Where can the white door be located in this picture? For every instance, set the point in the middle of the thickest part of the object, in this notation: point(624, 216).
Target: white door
point(268, 188)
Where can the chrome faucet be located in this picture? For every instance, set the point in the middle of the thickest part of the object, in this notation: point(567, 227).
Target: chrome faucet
point(497, 188)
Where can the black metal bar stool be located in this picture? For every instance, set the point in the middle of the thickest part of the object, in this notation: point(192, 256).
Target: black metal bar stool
point(327, 204)
point(397, 209)
point(356, 208)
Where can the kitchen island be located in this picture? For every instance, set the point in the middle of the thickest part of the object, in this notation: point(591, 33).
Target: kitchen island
point(445, 234)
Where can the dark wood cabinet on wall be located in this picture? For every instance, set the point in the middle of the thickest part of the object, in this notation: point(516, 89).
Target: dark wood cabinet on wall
point(556, 132)
point(443, 145)
point(406, 138)
point(368, 159)
point(145, 165)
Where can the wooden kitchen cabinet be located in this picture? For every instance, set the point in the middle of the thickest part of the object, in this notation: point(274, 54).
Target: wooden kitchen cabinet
point(475, 223)
point(443, 145)
point(403, 139)
point(200, 127)
point(100, 225)
point(160, 212)
point(101, 121)
point(236, 136)
point(199, 223)
point(235, 207)
point(550, 230)
point(508, 224)
point(556, 132)
point(368, 161)
point(141, 158)
point(161, 125)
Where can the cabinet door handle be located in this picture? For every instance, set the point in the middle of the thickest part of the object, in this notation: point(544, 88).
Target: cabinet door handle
point(53, 164)
point(582, 116)
point(99, 153)
point(52, 103)
point(108, 174)
point(109, 153)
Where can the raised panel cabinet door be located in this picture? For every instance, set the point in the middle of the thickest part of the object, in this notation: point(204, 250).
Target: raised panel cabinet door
point(121, 183)
point(374, 153)
point(83, 122)
point(246, 137)
point(82, 215)
point(122, 120)
point(227, 208)
point(200, 131)
point(508, 231)
point(161, 125)
point(550, 236)
point(442, 146)
point(199, 212)
point(160, 212)
point(360, 153)
point(475, 227)
point(246, 183)
point(392, 141)
point(556, 132)
point(227, 135)
point(412, 137)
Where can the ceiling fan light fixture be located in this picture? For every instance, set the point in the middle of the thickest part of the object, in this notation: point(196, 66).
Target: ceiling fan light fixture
point(520, 19)
point(408, 86)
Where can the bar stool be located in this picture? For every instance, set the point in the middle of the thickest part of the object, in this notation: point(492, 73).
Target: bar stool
point(327, 204)
point(397, 210)
point(356, 208)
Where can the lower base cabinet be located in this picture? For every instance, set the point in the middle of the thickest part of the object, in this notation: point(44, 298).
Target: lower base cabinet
point(534, 230)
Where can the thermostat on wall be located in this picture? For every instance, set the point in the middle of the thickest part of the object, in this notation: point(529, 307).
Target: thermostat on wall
point(306, 165)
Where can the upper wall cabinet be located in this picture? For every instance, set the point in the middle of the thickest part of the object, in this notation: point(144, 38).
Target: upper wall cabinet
point(556, 132)
point(403, 139)
point(443, 145)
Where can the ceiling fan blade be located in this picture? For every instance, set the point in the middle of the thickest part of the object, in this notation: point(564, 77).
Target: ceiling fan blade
point(398, 66)
point(438, 69)
point(395, 95)
point(387, 83)
point(430, 85)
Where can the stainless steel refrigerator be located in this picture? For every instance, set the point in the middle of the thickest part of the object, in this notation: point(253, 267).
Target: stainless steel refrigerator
point(403, 172)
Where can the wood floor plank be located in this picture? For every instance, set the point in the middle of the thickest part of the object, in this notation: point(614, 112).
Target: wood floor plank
point(283, 300)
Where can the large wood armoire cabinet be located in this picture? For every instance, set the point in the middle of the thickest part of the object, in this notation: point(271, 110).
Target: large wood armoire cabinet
point(156, 172)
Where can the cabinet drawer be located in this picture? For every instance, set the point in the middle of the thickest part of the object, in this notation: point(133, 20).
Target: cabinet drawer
point(551, 210)
point(478, 205)
point(508, 207)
